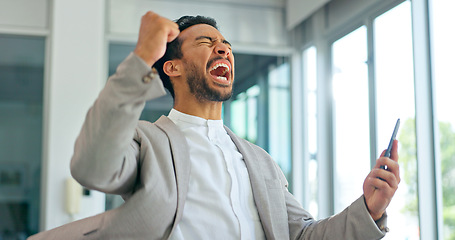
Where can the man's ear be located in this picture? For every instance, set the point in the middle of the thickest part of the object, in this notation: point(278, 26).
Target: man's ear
point(172, 68)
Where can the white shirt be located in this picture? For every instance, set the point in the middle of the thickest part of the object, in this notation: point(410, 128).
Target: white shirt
point(220, 203)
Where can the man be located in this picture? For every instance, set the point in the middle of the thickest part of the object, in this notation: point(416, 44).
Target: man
point(186, 176)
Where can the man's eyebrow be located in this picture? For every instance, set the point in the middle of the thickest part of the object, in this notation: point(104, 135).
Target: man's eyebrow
point(227, 42)
point(211, 39)
point(204, 37)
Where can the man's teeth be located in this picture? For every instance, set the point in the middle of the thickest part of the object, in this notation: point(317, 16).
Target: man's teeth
point(220, 65)
point(221, 73)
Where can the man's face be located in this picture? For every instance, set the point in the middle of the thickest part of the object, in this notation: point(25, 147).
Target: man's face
point(208, 63)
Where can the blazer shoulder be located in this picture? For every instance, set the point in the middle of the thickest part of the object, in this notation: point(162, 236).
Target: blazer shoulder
point(163, 128)
point(147, 128)
point(162, 125)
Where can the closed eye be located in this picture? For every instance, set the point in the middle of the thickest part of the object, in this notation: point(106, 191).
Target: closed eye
point(210, 41)
point(206, 42)
point(204, 39)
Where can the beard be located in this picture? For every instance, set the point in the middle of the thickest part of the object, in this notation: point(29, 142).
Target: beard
point(199, 87)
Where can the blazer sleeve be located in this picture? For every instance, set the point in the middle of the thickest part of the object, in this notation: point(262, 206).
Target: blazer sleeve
point(105, 154)
point(354, 223)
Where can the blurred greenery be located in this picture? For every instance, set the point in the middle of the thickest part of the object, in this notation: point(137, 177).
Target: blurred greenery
point(408, 162)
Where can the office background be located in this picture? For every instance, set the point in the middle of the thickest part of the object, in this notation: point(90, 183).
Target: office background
point(319, 85)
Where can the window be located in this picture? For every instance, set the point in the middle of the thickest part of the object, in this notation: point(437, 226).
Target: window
point(279, 118)
point(351, 116)
point(21, 111)
point(443, 49)
point(394, 77)
point(393, 85)
point(393, 66)
point(244, 117)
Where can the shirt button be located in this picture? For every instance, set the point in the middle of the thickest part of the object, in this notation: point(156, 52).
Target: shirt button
point(150, 76)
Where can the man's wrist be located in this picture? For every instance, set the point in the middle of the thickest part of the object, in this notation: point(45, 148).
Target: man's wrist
point(376, 217)
point(382, 223)
point(145, 56)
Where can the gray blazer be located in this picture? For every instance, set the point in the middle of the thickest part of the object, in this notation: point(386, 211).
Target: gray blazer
point(147, 164)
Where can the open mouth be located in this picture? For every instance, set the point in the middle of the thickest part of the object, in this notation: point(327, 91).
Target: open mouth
point(220, 71)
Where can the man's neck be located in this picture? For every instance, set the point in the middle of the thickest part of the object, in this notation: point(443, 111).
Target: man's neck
point(206, 110)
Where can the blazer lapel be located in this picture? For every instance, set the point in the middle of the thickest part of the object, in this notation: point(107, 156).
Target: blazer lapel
point(258, 184)
point(182, 164)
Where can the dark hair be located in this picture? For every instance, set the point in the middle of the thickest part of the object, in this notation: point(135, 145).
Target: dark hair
point(173, 49)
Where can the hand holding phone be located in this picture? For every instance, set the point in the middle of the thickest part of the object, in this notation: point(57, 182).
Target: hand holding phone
point(378, 195)
point(389, 148)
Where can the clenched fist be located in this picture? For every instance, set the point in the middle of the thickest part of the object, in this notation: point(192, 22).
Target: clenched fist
point(155, 32)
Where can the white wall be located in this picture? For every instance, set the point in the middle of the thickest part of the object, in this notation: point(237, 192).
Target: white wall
point(75, 75)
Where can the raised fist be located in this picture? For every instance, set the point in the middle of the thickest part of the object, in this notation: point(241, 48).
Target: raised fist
point(155, 32)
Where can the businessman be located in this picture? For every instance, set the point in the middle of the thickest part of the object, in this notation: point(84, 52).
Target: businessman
point(187, 176)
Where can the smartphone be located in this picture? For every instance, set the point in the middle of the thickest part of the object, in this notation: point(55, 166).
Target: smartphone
point(389, 148)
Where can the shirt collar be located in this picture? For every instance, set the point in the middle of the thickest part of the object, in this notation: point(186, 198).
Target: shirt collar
point(177, 116)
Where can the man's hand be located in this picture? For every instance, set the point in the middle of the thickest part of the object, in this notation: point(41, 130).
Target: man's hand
point(155, 32)
point(380, 185)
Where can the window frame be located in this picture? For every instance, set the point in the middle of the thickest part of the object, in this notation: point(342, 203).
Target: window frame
point(429, 174)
